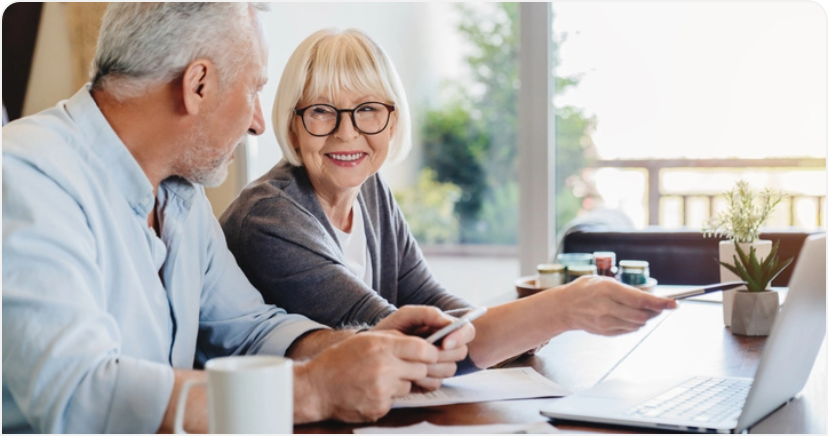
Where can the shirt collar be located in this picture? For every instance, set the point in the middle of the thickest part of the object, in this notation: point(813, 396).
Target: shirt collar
point(122, 167)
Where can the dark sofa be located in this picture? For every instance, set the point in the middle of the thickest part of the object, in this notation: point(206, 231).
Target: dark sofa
point(677, 257)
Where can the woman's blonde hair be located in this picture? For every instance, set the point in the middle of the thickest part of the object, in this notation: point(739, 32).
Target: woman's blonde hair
point(328, 63)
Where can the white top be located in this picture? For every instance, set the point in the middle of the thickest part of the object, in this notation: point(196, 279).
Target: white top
point(355, 247)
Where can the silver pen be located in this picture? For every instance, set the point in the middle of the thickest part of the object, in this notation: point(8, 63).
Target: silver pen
point(705, 290)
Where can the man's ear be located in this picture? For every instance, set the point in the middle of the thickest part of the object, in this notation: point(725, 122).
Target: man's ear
point(198, 84)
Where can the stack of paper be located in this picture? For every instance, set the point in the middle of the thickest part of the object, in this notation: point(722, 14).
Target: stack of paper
point(489, 385)
point(429, 428)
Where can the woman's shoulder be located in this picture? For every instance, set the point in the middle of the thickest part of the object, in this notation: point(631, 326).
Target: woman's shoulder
point(279, 179)
point(377, 192)
point(277, 195)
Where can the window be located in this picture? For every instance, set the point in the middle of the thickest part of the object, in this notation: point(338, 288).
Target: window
point(681, 100)
point(464, 206)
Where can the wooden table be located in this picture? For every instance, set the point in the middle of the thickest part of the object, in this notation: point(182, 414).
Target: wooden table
point(690, 340)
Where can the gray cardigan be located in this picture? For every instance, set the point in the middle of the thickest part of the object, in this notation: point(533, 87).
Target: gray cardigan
point(285, 244)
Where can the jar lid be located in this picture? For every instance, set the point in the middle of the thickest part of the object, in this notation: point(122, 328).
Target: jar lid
point(575, 258)
point(604, 254)
point(634, 264)
point(581, 270)
point(545, 268)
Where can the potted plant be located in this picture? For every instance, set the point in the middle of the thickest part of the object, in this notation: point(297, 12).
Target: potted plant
point(754, 309)
point(747, 211)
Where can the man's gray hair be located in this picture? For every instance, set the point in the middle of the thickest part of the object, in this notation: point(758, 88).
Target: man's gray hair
point(143, 45)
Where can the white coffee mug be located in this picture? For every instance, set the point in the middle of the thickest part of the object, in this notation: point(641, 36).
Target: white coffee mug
point(245, 394)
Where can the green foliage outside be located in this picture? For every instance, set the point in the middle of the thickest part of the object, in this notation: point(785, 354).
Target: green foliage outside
point(459, 156)
point(471, 142)
point(429, 209)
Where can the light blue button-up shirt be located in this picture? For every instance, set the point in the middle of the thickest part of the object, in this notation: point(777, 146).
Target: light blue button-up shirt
point(97, 309)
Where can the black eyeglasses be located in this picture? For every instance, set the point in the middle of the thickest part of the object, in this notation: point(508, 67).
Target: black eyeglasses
point(323, 119)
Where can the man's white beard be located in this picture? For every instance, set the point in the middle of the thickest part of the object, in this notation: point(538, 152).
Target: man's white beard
point(193, 168)
point(211, 175)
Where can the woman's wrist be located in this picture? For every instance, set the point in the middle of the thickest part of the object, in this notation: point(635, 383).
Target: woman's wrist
point(555, 315)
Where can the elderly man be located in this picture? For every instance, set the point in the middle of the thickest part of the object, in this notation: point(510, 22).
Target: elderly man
point(116, 278)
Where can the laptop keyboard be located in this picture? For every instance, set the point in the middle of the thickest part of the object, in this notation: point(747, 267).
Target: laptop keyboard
point(700, 399)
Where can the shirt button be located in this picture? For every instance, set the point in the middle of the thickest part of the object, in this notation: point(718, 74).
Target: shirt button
point(145, 201)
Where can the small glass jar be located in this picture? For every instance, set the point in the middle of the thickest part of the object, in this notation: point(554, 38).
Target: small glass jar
point(549, 275)
point(605, 263)
point(634, 272)
point(575, 271)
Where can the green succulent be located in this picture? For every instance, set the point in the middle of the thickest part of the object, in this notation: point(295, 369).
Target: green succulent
point(757, 274)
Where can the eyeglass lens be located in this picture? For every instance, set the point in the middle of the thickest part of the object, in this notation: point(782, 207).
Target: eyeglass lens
point(369, 118)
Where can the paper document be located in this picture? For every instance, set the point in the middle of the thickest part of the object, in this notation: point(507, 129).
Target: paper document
point(489, 385)
point(429, 428)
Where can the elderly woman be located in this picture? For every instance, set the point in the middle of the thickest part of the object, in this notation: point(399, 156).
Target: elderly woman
point(321, 235)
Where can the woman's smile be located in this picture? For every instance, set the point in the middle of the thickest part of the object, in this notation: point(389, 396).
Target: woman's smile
point(346, 159)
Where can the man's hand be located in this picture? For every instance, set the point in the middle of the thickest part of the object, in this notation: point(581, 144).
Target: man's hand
point(357, 379)
point(422, 321)
point(607, 307)
point(195, 416)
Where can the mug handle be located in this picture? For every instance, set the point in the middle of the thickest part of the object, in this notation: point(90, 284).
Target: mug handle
point(182, 403)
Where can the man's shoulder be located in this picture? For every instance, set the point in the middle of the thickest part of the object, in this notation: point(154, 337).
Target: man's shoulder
point(50, 129)
point(47, 142)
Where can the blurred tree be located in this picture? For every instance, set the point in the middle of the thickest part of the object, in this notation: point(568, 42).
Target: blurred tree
point(574, 152)
point(429, 209)
point(494, 32)
point(472, 142)
point(456, 147)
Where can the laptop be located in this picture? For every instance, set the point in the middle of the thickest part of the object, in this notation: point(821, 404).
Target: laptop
point(715, 404)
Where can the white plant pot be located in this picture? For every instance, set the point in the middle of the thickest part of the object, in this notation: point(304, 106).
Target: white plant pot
point(727, 249)
point(754, 312)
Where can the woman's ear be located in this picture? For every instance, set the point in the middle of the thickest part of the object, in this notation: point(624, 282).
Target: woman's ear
point(294, 141)
point(295, 126)
point(392, 125)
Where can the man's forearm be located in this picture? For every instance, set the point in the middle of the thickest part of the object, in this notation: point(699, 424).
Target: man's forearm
point(312, 343)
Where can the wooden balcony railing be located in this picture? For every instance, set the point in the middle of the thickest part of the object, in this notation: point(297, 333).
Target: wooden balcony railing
point(653, 169)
